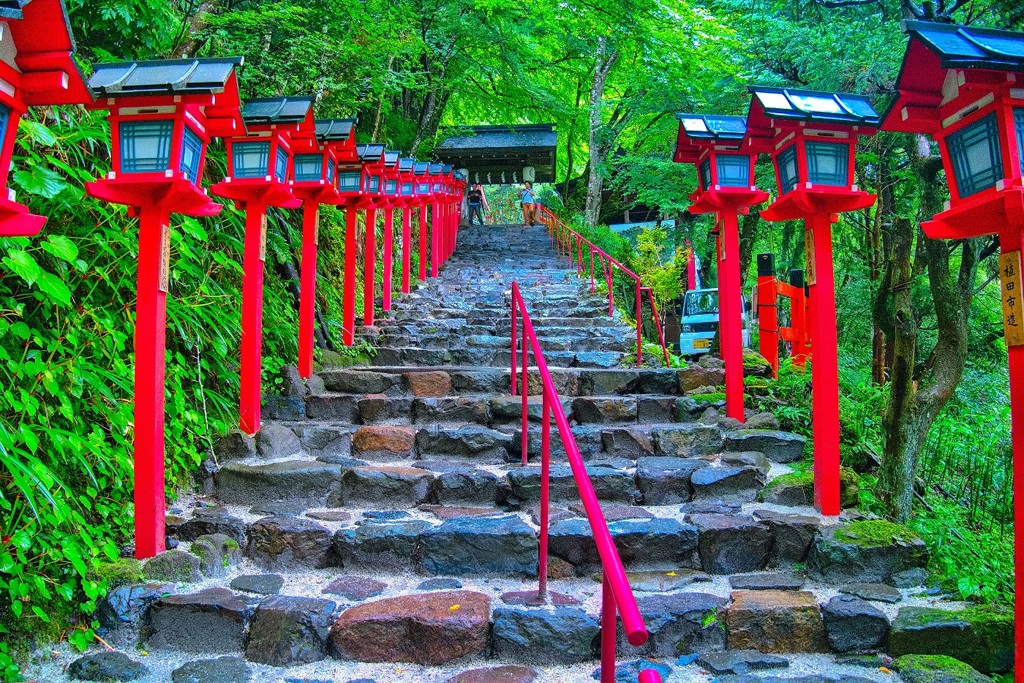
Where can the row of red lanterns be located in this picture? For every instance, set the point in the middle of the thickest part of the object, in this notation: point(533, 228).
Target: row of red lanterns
point(963, 87)
point(163, 115)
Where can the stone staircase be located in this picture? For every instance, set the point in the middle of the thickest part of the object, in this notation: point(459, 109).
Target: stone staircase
point(381, 524)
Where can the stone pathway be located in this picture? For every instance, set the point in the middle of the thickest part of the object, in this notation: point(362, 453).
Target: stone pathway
point(372, 528)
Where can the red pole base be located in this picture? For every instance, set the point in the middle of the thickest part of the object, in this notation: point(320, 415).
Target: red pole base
point(406, 249)
point(369, 266)
point(252, 318)
point(307, 287)
point(150, 343)
point(389, 245)
point(730, 305)
point(348, 307)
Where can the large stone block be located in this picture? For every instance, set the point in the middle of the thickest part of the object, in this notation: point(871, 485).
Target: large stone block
point(980, 636)
point(666, 480)
point(283, 542)
point(287, 631)
point(854, 625)
point(485, 545)
point(775, 622)
point(865, 552)
point(732, 544)
point(428, 628)
point(212, 621)
point(679, 624)
point(385, 486)
point(686, 440)
point(780, 447)
point(562, 635)
point(386, 544)
point(637, 540)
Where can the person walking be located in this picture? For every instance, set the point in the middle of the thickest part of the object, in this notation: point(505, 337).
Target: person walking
point(477, 202)
point(528, 199)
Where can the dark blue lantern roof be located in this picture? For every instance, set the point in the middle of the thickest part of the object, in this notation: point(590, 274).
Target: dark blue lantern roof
point(11, 9)
point(275, 110)
point(705, 127)
point(806, 105)
point(391, 158)
point(964, 47)
point(436, 169)
point(163, 76)
point(372, 153)
point(333, 130)
point(406, 164)
point(421, 167)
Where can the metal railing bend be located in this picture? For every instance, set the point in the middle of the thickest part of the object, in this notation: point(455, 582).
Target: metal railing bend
point(570, 243)
point(617, 596)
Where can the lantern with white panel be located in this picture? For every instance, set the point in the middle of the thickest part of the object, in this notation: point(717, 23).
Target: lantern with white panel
point(964, 87)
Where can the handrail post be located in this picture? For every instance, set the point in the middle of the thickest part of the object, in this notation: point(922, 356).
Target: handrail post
point(593, 287)
point(608, 630)
point(525, 384)
point(545, 476)
point(513, 374)
point(639, 326)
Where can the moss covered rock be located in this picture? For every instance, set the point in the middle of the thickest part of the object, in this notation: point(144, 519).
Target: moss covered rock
point(870, 551)
point(120, 572)
point(937, 669)
point(797, 488)
point(174, 566)
point(980, 636)
point(755, 365)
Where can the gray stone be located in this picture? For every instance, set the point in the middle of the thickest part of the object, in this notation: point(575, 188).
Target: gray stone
point(390, 544)
point(762, 421)
point(878, 592)
point(234, 446)
point(283, 542)
point(283, 408)
point(216, 552)
point(792, 536)
point(982, 636)
point(627, 442)
point(728, 484)
point(678, 623)
point(604, 409)
point(206, 521)
point(439, 584)
point(292, 382)
point(470, 441)
point(261, 584)
point(385, 515)
point(284, 508)
point(778, 446)
point(609, 483)
point(334, 408)
point(562, 635)
point(465, 486)
point(359, 381)
point(327, 444)
point(910, 578)
point(287, 631)
point(740, 661)
point(644, 540)
point(127, 605)
point(479, 545)
point(106, 666)
point(220, 670)
point(314, 483)
point(386, 486)
point(212, 621)
point(837, 559)
point(853, 625)
point(732, 544)
point(355, 587)
point(748, 459)
point(274, 440)
point(766, 581)
point(666, 480)
point(686, 440)
point(175, 566)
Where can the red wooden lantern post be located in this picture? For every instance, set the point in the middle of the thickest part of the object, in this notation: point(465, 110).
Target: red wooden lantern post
point(436, 199)
point(965, 87)
point(407, 200)
point(726, 175)
point(389, 202)
point(372, 158)
point(37, 68)
point(422, 175)
point(315, 182)
point(259, 176)
point(162, 116)
point(812, 138)
point(354, 188)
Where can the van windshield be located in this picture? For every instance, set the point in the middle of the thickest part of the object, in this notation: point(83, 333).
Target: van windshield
point(701, 303)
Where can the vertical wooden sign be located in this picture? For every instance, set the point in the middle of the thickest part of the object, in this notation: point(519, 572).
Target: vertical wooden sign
point(1010, 293)
point(810, 274)
point(165, 256)
point(263, 237)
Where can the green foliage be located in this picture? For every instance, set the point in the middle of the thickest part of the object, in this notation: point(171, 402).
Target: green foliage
point(875, 533)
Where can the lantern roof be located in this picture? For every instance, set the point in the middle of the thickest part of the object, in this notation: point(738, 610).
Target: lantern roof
point(406, 164)
point(421, 168)
point(277, 110)
point(334, 130)
point(809, 106)
point(933, 50)
point(11, 9)
point(435, 169)
point(43, 51)
point(391, 158)
point(163, 76)
point(447, 169)
point(371, 153)
point(700, 131)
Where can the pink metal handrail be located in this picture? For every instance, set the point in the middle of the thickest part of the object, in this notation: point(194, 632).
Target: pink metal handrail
point(570, 243)
point(617, 596)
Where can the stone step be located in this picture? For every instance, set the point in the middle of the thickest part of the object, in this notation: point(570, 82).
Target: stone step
point(621, 342)
point(487, 357)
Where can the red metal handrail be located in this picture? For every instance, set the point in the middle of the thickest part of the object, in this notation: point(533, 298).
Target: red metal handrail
point(617, 596)
point(570, 243)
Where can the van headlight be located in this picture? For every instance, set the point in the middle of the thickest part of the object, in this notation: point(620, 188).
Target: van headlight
point(687, 328)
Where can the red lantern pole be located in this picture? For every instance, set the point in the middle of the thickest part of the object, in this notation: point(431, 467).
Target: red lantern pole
point(389, 239)
point(369, 265)
point(825, 368)
point(252, 317)
point(435, 237)
point(307, 285)
point(423, 242)
point(150, 343)
point(348, 314)
point(406, 248)
point(730, 305)
point(768, 311)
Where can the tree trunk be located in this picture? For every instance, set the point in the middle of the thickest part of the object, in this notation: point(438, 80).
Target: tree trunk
point(604, 61)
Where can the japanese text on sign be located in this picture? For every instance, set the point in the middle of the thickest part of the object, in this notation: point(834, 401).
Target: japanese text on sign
point(1010, 293)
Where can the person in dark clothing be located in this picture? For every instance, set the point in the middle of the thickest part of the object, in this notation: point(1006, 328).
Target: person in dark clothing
point(477, 202)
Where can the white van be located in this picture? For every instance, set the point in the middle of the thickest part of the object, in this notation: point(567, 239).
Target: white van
point(699, 322)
